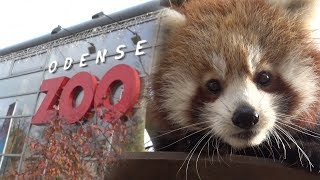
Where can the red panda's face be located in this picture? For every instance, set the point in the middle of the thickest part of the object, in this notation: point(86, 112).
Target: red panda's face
point(239, 70)
point(245, 108)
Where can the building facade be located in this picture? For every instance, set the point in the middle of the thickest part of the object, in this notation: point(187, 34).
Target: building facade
point(95, 47)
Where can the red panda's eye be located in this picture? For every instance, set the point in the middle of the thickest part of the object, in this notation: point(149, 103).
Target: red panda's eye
point(214, 86)
point(264, 78)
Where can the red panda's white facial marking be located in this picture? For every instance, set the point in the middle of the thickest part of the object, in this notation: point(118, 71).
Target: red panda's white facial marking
point(298, 71)
point(179, 104)
point(241, 92)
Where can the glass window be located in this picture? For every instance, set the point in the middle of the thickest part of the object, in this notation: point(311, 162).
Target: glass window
point(55, 54)
point(36, 132)
point(4, 129)
point(130, 59)
point(112, 40)
point(9, 165)
point(144, 63)
point(17, 136)
point(20, 84)
point(146, 31)
point(5, 68)
point(13, 132)
point(5, 125)
point(24, 105)
point(29, 64)
point(39, 101)
point(75, 50)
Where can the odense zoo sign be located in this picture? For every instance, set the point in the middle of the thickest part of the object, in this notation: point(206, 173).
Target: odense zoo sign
point(63, 90)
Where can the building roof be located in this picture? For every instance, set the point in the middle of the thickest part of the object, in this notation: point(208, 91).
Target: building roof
point(112, 18)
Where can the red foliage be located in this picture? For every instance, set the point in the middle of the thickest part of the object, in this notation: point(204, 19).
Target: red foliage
point(73, 151)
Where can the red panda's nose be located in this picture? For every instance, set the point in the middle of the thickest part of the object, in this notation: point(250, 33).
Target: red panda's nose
point(245, 117)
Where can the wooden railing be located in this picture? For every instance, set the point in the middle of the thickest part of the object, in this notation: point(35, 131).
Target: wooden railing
point(165, 166)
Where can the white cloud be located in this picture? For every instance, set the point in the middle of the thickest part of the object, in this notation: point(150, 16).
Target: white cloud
point(24, 20)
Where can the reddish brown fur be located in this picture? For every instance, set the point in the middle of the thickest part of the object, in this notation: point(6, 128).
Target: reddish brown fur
point(310, 119)
point(226, 27)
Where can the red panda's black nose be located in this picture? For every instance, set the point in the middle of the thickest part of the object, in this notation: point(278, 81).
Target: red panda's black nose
point(245, 117)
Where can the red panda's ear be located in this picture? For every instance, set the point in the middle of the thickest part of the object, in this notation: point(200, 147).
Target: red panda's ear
point(292, 5)
point(170, 21)
point(177, 3)
point(308, 11)
point(300, 8)
point(172, 18)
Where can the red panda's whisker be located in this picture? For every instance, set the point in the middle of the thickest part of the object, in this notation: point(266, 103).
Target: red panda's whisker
point(199, 156)
point(313, 123)
point(275, 136)
point(271, 148)
point(315, 135)
point(281, 138)
point(289, 136)
point(178, 129)
point(217, 142)
point(309, 130)
point(190, 154)
point(278, 138)
point(184, 138)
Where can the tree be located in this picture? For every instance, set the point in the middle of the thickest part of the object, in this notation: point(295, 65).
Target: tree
point(87, 149)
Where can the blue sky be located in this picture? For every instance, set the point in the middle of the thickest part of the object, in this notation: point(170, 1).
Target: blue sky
point(22, 20)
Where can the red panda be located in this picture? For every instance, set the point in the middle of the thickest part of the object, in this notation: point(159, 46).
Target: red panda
point(244, 73)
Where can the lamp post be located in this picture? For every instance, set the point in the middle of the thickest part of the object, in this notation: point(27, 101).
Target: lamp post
point(91, 48)
point(135, 39)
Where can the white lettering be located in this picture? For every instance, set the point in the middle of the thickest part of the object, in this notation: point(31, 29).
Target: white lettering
point(120, 51)
point(83, 60)
point(139, 47)
point(67, 63)
point(101, 57)
point(53, 67)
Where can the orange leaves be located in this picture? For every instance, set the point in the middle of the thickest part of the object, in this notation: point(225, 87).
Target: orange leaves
point(33, 145)
point(69, 151)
